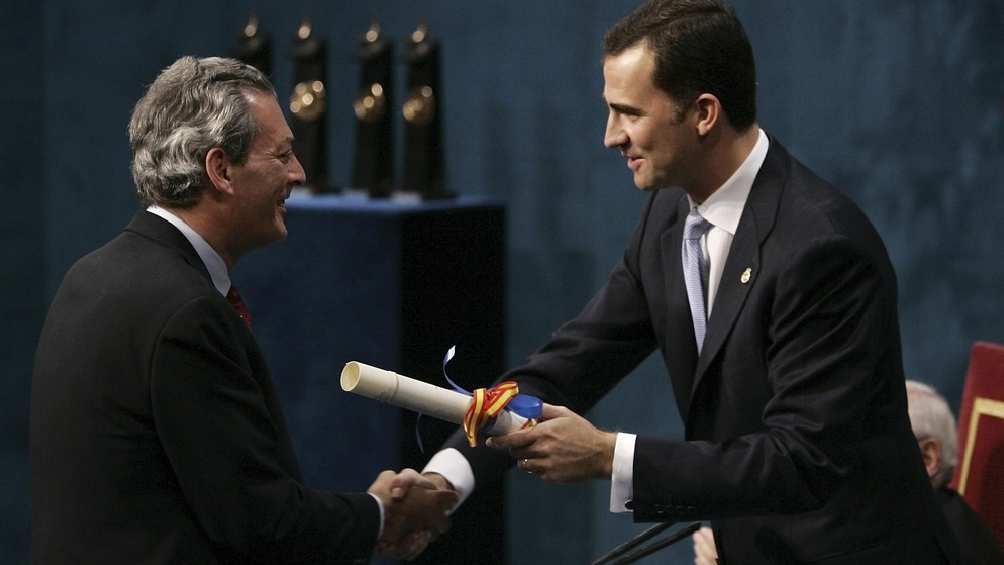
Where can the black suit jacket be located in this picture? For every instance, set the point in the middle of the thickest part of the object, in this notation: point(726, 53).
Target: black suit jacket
point(156, 431)
point(798, 446)
point(977, 544)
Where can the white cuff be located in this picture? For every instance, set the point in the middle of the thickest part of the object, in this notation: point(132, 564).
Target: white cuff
point(621, 485)
point(454, 467)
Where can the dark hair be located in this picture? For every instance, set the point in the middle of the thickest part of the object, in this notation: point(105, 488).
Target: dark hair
point(699, 46)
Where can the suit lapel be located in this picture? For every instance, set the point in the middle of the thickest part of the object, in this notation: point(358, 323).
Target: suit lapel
point(755, 224)
point(680, 326)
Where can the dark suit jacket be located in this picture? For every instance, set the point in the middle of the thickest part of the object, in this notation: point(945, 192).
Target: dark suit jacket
point(977, 544)
point(798, 444)
point(156, 431)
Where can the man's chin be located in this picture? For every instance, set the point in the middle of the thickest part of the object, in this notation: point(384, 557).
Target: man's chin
point(280, 228)
point(275, 235)
point(644, 185)
point(650, 184)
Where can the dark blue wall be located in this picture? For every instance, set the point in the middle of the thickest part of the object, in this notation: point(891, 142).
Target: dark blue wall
point(22, 240)
point(900, 103)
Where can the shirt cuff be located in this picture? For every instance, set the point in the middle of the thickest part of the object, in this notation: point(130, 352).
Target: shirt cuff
point(380, 506)
point(621, 480)
point(455, 468)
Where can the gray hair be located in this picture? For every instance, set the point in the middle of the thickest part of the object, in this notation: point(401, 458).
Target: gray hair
point(930, 417)
point(192, 107)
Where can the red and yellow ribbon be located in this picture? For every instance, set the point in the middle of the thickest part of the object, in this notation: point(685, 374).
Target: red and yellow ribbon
point(485, 405)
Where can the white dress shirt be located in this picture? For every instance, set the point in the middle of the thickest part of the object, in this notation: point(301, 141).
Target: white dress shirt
point(722, 210)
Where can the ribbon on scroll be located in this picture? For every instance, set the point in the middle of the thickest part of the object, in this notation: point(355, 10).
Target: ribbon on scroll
point(486, 403)
point(442, 403)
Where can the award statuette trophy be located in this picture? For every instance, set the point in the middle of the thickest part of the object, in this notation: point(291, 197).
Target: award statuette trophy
point(423, 139)
point(254, 47)
point(307, 103)
point(374, 158)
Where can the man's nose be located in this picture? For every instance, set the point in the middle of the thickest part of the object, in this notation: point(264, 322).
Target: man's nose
point(614, 136)
point(296, 172)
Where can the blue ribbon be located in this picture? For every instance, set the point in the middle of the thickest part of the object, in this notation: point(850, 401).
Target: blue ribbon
point(527, 406)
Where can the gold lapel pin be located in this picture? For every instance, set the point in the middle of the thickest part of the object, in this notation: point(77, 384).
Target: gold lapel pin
point(745, 278)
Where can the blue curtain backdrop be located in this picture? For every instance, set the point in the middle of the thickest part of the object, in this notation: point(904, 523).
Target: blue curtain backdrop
point(899, 103)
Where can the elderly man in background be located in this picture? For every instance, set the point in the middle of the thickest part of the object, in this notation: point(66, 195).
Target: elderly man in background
point(934, 425)
point(156, 431)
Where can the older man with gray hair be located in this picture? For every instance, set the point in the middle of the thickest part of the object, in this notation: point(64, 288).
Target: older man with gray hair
point(156, 432)
point(934, 425)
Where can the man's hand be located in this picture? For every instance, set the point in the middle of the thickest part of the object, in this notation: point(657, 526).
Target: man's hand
point(704, 547)
point(563, 447)
point(415, 512)
point(438, 481)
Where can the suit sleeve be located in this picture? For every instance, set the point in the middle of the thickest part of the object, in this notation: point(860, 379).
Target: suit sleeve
point(223, 443)
point(830, 328)
point(586, 357)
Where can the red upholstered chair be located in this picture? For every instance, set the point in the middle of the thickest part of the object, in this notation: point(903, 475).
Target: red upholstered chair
point(979, 474)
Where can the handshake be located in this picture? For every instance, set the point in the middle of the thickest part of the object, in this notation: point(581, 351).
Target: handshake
point(563, 447)
point(416, 509)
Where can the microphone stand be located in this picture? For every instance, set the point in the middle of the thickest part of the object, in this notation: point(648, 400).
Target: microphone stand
point(632, 550)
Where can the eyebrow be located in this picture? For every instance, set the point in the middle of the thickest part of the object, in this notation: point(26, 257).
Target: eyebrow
point(624, 108)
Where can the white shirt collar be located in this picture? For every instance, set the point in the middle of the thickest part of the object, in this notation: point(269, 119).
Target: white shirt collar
point(214, 263)
point(725, 206)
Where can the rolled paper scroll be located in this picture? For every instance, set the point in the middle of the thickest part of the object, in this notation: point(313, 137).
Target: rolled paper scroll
point(417, 396)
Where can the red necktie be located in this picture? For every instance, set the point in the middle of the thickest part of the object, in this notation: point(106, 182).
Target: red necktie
point(234, 298)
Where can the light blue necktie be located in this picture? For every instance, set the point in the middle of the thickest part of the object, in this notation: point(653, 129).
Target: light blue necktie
point(695, 272)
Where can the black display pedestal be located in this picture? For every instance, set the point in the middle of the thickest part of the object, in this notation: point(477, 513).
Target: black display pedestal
point(392, 285)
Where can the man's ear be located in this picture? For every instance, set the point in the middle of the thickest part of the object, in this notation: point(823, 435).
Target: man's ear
point(931, 450)
point(709, 110)
point(218, 167)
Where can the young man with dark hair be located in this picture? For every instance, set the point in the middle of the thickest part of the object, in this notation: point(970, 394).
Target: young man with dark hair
point(773, 302)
